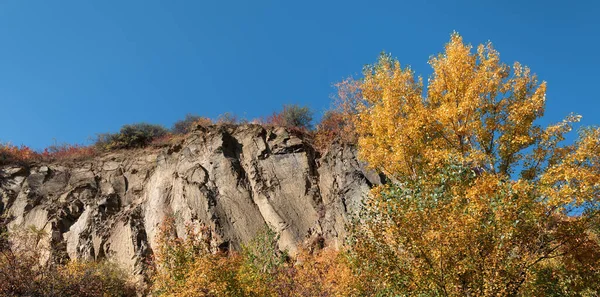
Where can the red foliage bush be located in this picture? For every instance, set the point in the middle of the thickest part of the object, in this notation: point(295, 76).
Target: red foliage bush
point(275, 119)
point(338, 123)
point(68, 152)
point(292, 116)
point(11, 154)
point(16, 154)
point(331, 128)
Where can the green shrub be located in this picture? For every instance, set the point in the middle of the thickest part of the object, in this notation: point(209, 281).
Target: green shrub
point(130, 136)
point(184, 126)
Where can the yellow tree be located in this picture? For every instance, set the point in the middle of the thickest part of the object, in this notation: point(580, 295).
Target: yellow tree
point(480, 193)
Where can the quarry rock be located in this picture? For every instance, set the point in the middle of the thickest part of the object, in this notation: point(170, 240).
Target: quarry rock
point(237, 180)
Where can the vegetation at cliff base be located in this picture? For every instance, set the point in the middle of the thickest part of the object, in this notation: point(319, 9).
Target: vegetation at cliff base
point(187, 265)
point(26, 271)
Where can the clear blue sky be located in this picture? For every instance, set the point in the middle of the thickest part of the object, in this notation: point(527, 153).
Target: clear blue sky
point(71, 69)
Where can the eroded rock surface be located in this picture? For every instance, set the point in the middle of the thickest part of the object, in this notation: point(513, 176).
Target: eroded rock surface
point(236, 179)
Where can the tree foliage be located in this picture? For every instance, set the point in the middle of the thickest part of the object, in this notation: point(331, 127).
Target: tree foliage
point(462, 233)
point(262, 261)
point(481, 194)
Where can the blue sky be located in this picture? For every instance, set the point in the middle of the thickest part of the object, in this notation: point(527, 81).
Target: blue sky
point(71, 69)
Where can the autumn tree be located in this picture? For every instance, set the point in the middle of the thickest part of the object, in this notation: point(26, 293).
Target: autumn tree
point(482, 197)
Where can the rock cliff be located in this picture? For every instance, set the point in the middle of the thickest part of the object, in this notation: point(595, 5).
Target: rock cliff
point(235, 179)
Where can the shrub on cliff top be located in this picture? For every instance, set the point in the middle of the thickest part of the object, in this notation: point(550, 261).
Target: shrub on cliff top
point(62, 152)
point(227, 118)
point(188, 123)
point(130, 136)
point(10, 154)
point(333, 127)
point(292, 116)
point(338, 124)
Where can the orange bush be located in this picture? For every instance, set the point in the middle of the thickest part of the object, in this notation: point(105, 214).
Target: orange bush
point(332, 128)
point(68, 152)
point(190, 267)
point(16, 154)
point(321, 273)
point(338, 124)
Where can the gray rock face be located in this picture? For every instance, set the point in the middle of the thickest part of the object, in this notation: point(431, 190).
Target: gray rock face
point(236, 179)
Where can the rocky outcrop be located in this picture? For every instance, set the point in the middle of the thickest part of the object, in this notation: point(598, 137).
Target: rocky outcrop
point(235, 179)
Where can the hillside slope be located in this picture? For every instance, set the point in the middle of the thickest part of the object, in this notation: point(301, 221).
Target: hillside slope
point(235, 179)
